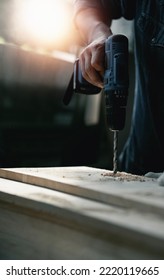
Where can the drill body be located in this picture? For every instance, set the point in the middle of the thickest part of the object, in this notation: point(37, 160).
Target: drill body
point(116, 81)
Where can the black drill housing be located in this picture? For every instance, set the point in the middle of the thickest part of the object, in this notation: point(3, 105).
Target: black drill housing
point(116, 81)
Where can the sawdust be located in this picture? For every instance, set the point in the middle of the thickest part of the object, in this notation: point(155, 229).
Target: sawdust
point(122, 176)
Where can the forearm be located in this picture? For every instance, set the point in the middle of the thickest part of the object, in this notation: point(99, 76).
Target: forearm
point(92, 25)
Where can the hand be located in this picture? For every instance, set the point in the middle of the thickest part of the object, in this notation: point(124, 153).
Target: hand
point(158, 176)
point(92, 62)
point(94, 27)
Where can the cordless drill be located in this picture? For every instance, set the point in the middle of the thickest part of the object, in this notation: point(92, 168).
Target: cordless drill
point(116, 82)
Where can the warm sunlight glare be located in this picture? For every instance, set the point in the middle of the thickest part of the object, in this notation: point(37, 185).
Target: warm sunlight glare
point(46, 20)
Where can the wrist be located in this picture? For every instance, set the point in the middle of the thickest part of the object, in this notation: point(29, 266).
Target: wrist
point(99, 30)
point(92, 25)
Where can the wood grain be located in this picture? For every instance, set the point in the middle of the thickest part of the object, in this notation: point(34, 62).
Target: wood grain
point(91, 183)
point(59, 221)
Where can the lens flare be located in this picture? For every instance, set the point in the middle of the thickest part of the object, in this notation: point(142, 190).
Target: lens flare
point(46, 20)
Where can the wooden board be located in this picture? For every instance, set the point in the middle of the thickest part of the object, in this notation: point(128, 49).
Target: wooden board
point(144, 194)
point(78, 213)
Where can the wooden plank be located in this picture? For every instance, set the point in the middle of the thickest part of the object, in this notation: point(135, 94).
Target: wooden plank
point(144, 194)
point(96, 228)
point(27, 237)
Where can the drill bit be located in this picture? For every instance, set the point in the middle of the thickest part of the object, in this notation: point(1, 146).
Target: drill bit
point(115, 151)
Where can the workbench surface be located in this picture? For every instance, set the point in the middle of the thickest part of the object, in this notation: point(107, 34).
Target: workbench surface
point(79, 213)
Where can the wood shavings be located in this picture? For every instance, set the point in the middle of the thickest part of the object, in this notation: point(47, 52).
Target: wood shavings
point(122, 176)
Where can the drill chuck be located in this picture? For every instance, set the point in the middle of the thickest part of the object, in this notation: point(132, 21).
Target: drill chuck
point(115, 109)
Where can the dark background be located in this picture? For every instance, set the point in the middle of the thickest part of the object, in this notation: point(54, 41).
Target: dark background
point(36, 128)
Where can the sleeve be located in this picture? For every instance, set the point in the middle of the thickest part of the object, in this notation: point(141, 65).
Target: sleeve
point(113, 9)
point(120, 8)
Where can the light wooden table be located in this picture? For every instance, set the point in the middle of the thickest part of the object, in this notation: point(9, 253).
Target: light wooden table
point(79, 213)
